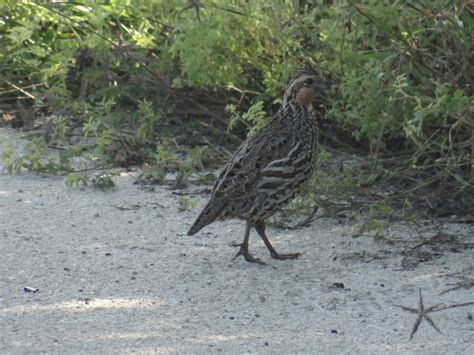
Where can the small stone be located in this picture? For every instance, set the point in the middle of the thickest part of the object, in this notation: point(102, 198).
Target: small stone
point(337, 285)
point(30, 289)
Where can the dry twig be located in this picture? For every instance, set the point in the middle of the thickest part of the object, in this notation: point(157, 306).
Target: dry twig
point(422, 312)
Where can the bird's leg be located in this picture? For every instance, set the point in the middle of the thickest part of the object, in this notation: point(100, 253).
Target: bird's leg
point(260, 228)
point(244, 246)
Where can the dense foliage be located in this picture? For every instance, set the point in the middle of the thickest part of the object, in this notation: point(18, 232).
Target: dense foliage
point(154, 81)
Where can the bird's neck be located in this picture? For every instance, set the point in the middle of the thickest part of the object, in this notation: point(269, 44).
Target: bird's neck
point(295, 106)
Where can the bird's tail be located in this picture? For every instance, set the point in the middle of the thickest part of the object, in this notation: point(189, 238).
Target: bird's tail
point(208, 215)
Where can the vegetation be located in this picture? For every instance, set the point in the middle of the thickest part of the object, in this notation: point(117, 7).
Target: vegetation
point(177, 85)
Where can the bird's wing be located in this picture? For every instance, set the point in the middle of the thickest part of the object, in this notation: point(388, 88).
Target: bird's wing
point(259, 163)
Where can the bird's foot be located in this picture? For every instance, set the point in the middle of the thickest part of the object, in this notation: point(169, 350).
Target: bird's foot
point(244, 251)
point(277, 256)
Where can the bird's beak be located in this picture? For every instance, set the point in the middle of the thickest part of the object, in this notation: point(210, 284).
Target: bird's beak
point(324, 84)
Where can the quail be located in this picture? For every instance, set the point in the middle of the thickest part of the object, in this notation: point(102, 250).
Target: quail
point(270, 167)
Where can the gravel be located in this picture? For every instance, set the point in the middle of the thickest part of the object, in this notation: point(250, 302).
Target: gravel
point(87, 271)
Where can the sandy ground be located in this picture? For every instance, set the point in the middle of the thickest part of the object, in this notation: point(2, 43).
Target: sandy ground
point(116, 273)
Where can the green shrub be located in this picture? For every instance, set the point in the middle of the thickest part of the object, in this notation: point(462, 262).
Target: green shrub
point(123, 81)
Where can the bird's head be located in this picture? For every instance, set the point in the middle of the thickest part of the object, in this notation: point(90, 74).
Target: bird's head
point(304, 85)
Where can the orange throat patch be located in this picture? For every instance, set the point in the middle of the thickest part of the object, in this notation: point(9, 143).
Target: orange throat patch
point(304, 96)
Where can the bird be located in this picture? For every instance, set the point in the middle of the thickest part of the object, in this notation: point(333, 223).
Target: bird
point(270, 167)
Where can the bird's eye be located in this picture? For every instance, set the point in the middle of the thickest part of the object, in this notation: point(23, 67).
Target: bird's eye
point(309, 81)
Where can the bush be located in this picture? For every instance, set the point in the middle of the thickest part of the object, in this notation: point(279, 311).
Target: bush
point(122, 80)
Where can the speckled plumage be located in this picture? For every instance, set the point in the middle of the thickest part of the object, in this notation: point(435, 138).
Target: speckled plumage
point(269, 168)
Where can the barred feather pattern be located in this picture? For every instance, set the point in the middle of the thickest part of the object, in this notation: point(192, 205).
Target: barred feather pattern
point(267, 170)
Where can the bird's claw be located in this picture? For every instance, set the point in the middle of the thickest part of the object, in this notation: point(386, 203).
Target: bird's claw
point(285, 256)
point(244, 251)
